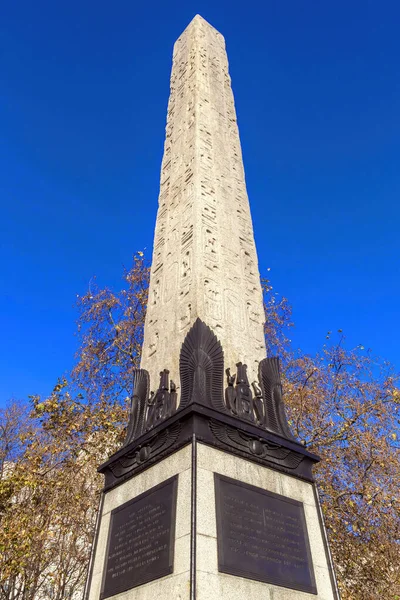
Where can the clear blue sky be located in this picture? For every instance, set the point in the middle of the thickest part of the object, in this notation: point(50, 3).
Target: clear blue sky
point(84, 90)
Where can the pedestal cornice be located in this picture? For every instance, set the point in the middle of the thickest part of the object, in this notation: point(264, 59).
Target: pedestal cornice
point(215, 429)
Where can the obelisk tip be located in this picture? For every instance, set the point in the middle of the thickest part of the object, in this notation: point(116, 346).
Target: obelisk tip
point(198, 20)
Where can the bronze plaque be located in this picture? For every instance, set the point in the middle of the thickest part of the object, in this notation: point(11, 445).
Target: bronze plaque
point(262, 536)
point(141, 540)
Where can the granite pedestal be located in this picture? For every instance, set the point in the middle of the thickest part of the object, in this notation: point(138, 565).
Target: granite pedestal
point(195, 463)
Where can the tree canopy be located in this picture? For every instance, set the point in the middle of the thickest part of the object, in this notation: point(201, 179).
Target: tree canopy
point(343, 402)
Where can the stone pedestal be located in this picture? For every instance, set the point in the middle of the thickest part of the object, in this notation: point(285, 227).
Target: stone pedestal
point(176, 585)
point(188, 450)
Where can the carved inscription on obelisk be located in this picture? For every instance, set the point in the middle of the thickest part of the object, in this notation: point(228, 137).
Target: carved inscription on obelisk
point(204, 259)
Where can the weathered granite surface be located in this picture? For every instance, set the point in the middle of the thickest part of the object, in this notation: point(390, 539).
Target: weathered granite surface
point(213, 584)
point(195, 560)
point(176, 585)
point(204, 261)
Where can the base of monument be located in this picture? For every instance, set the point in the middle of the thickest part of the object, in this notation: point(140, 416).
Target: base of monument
point(210, 508)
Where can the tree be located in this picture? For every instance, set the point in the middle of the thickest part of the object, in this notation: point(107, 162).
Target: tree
point(110, 328)
point(48, 499)
point(343, 403)
point(49, 491)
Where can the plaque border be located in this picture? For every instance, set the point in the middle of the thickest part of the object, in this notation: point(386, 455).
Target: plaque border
point(171, 551)
point(312, 589)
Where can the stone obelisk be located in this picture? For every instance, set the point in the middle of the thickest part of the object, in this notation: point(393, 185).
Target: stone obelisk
point(210, 497)
point(204, 260)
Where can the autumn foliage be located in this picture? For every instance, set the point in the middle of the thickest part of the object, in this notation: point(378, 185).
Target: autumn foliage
point(343, 402)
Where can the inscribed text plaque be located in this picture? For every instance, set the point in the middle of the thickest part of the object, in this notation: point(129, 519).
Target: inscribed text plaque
point(141, 540)
point(262, 536)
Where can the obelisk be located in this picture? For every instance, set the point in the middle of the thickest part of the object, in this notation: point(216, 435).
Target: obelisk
point(204, 260)
point(210, 497)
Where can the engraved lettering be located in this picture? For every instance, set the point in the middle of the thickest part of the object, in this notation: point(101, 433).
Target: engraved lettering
point(140, 542)
point(262, 536)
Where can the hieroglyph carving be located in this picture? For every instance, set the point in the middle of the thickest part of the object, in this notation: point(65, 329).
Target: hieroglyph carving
point(204, 261)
